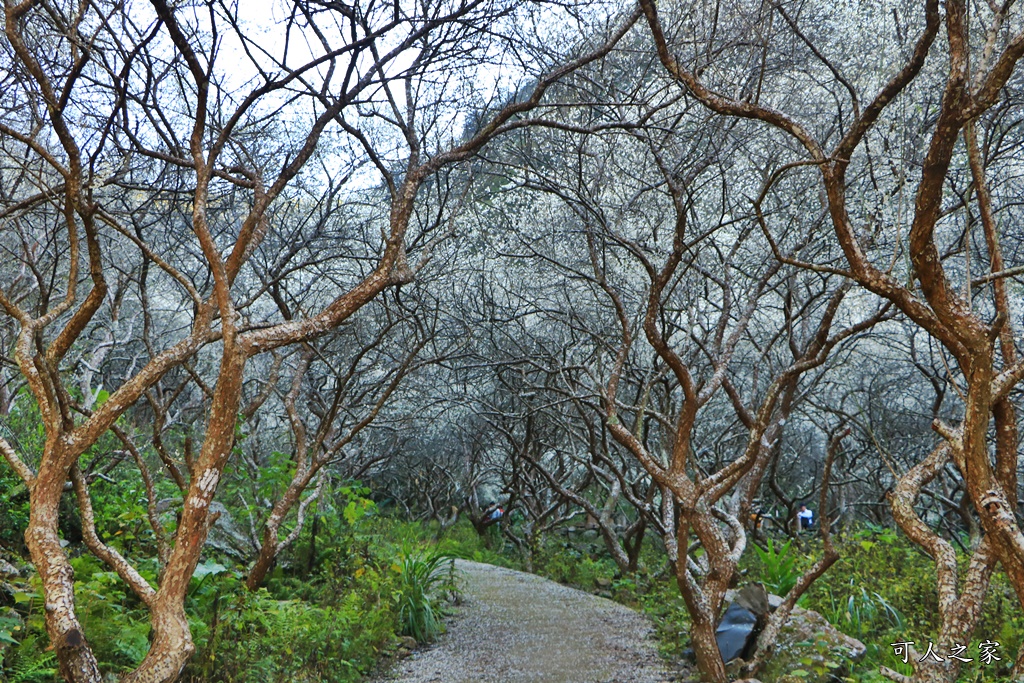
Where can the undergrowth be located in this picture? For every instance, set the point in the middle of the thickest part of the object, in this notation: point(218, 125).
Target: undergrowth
point(329, 618)
point(330, 615)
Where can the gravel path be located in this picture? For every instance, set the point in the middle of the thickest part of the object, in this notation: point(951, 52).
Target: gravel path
point(520, 628)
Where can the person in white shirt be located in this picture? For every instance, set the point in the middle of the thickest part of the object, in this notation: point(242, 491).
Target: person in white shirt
point(806, 518)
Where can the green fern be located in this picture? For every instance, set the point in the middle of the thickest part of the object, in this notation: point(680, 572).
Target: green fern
point(25, 668)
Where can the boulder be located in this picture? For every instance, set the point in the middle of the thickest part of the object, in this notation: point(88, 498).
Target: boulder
point(733, 595)
point(226, 536)
point(742, 622)
point(8, 570)
point(754, 598)
point(735, 631)
point(811, 650)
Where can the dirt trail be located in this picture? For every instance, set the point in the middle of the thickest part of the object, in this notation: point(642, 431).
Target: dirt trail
point(517, 628)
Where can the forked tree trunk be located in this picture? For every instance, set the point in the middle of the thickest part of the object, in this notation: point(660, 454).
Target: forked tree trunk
point(264, 561)
point(704, 601)
point(634, 545)
point(705, 646)
point(171, 640)
point(271, 546)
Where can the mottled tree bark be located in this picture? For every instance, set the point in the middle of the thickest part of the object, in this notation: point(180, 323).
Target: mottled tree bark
point(75, 659)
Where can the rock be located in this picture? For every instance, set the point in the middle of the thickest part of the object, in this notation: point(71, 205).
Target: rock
point(754, 598)
point(732, 595)
point(807, 624)
point(7, 569)
point(226, 536)
point(808, 643)
point(733, 632)
point(742, 622)
point(809, 648)
point(8, 572)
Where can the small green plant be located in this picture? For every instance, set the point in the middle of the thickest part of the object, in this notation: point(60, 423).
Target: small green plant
point(877, 532)
point(8, 625)
point(863, 613)
point(424, 581)
point(780, 572)
point(28, 667)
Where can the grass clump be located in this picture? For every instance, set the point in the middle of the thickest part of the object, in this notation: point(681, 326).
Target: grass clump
point(425, 581)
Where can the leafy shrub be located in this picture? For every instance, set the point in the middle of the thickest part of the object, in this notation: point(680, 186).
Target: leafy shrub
point(25, 656)
point(461, 540)
point(867, 559)
point(322, 632)
point(576, 563)
point(253, 637)
point(864, 597)
point(330, 625)
point(115, 620)
point(13, 508)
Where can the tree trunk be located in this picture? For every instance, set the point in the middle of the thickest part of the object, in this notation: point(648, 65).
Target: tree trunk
point(171, 645)
point(704, 601)
point(705, 647)
point(615, 549)
point(74, 656)
point(264, 563)
point(270, 547)
point(635, 545)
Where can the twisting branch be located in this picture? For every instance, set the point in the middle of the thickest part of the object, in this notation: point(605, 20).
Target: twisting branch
point(92, 540)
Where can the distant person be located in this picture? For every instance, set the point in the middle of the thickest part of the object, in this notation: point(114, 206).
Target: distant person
point(806, 518)
point(492, 514)
point(496, 514)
